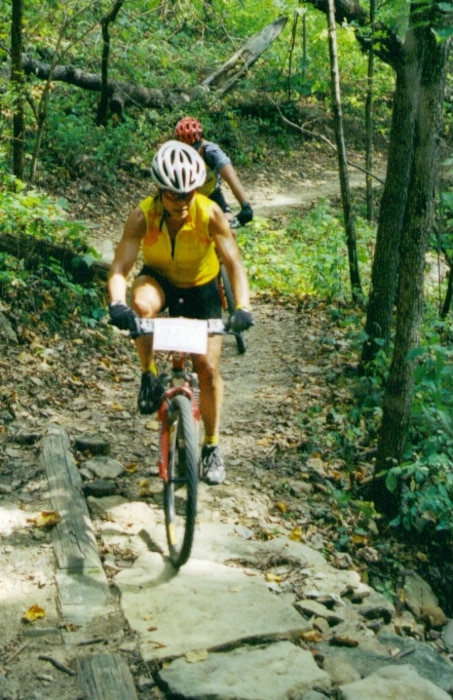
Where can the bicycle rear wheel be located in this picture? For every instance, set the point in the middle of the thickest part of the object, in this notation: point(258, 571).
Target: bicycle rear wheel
point(180, 492)
point(240, 340)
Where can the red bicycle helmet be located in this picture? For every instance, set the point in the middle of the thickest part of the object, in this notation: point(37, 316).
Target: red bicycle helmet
point(189, 130)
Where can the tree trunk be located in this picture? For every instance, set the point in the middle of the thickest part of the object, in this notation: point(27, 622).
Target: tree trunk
point(429, 58)
point(348, 215)
point(229, 73)
point(17, 86)
point(102, 114)
point(384, 275)
point(369, 118)
point(449, 293)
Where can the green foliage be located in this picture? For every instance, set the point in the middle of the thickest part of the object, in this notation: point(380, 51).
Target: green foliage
point(441, 240)
point(33, 213)
point(425, 479)
point(103, 151)
point(307, 257)
point(47, 298)
point(44, 296)
point(168, 48)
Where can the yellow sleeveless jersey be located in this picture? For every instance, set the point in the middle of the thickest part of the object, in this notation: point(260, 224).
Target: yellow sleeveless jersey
point(192, 260)
point(209, 184)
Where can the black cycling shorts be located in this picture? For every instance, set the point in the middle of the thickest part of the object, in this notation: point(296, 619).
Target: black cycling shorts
point(193, 302)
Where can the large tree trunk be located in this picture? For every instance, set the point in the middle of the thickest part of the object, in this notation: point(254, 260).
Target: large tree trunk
point(369, 119)
point(430, 58)
point(384, 275)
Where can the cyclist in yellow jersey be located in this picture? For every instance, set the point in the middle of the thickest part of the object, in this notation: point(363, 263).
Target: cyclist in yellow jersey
point(178, 232)
point(219, 167)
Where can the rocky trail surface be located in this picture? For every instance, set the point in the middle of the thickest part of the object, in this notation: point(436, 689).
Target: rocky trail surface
point(265, 609)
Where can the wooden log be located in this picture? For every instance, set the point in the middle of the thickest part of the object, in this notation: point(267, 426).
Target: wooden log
point(236, 66)
point(73, 538)
point(83, 590)
point(105, 677)
point(34, 251)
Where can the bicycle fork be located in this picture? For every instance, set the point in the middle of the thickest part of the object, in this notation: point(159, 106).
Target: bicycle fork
point(169, 423)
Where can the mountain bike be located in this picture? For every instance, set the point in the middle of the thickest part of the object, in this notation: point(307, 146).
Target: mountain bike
point(226, 295)
point(179, 415)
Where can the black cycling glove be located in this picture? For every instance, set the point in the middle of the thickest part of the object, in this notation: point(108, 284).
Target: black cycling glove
point(240, 320)
point(122, 316)
point(246, 213)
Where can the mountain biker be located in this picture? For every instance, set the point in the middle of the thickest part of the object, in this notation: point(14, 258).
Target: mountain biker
point(219, 167)
point(178, 231)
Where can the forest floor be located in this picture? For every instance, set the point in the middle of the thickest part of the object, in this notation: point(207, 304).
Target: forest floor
point(279, 395)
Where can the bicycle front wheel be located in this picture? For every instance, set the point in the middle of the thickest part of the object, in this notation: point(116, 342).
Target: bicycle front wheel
point(180, 491)
point(240, 340)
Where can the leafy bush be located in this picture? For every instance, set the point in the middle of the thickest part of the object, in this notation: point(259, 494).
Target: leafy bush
point(33, 213)
point(43, 294)
point(47, 298)
point(307, 257)
point(425, 479)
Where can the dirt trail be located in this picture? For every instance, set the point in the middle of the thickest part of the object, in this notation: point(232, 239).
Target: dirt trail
point(97, 396)
point(288, 376)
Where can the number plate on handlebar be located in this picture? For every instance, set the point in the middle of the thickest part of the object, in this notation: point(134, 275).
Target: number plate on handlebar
point(181, 334)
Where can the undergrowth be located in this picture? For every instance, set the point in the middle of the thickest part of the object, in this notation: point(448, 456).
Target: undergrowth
point(40, 291)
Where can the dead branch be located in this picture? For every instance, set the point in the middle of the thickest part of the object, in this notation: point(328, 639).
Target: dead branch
point(57, 664)
point(321, 137)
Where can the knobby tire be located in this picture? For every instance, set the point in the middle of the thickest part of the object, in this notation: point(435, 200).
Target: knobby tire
point(240, 340)
point(180, 492)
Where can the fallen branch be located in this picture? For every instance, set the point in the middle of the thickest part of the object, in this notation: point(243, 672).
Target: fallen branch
point(16, 653)
point(225, 77)
point(88, 642)
point(57, 664)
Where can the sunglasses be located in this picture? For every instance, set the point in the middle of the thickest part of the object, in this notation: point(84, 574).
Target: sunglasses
point(177, 196)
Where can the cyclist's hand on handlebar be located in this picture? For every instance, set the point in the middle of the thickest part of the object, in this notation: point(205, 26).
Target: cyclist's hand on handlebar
point(240, 321)
point(246, 213)
point(122, 316)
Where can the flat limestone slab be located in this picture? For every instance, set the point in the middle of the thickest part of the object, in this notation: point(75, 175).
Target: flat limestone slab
point(204, 605)
point(275, 672)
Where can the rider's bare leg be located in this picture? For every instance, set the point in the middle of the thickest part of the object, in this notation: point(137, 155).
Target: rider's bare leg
point(211, 386)
point(147, 300)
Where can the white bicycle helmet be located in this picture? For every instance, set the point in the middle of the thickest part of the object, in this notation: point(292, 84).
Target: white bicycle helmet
point(178, 167)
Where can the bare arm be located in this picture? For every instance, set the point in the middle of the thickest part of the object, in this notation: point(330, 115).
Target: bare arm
point(231, 257)
point(228, 173)
point(126, 255)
